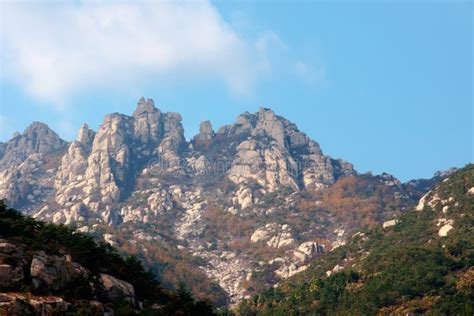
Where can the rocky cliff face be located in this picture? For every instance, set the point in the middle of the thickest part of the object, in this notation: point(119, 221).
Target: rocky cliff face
point(245, 199)
point(99, 169)
point(275, 153)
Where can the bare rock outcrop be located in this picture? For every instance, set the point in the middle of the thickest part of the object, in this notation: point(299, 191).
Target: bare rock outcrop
point(99, 169)
point(25, 176)
point(276, 236)
point(307, 250)
point(276, 154)
point(206, 133)
point(116, 289)
point(37, 138)
point(26, 304)
point(53, 271)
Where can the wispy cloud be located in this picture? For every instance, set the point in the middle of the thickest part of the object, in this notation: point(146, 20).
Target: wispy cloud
point(54, 50)
point(66, 128)
point(311, 74)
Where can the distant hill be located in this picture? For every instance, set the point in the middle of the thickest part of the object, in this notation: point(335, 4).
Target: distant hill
point(423, 262)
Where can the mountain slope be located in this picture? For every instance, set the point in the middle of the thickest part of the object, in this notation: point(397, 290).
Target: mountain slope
point(422, 263)
point(50, 269)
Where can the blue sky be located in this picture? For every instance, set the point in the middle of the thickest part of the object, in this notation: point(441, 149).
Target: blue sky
point(386, 86)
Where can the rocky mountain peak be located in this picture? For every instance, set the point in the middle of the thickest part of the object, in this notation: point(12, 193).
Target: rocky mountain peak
point(145, 107)
point(85, 135)
point(205, 128)
point(41, 138)
point(266, 113)
point(37, 138)
point(206, 133)
point(271, 125)
point(36, 126)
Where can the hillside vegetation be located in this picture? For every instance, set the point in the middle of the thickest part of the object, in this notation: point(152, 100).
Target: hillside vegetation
point(423, 263)
point(50, 260)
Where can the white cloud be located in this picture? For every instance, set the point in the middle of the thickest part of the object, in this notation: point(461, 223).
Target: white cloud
point(312, 75)
point(267, 42)
point(54, 50)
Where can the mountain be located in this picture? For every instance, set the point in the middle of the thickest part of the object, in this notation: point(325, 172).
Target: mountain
point(421, 263)
point(229, 212)
point(46, 269)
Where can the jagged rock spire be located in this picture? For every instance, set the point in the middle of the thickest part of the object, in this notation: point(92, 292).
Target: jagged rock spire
point(145, 106)
point(85, 135)
point(271, 125)
point(206, 133)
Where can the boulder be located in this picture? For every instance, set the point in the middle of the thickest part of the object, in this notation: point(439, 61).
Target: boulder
point(53, 271)
point(276, 236)
point(282, 238)
point(390, 223)
point(116, 289)
point(10, 276)
point(446, 228)
point(307, 249)
point(288, 270)
point(244, 197)
point(260, 235)
point(6, 248)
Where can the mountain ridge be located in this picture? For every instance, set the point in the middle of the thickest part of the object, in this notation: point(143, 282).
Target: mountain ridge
point(241, 207)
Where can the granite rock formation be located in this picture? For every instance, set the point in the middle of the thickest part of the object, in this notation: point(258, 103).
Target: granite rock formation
point(233, 197)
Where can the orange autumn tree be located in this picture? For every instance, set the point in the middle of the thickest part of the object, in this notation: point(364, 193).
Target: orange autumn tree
point(359, 199)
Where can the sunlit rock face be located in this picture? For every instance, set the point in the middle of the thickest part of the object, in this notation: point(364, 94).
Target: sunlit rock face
point(275, 153)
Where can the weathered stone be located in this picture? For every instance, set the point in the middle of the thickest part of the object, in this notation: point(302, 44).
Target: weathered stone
point(274, 235)
point(37, 138)
point(260, 235)
point(307, 250)
point(116, 289)
point(390, 223)
point(6, 247)
point(446, 228)
point(85, 136)
point(20, 304)
point(206, 133)
point(289, 269)
point(10, 276)
point(54, 271)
